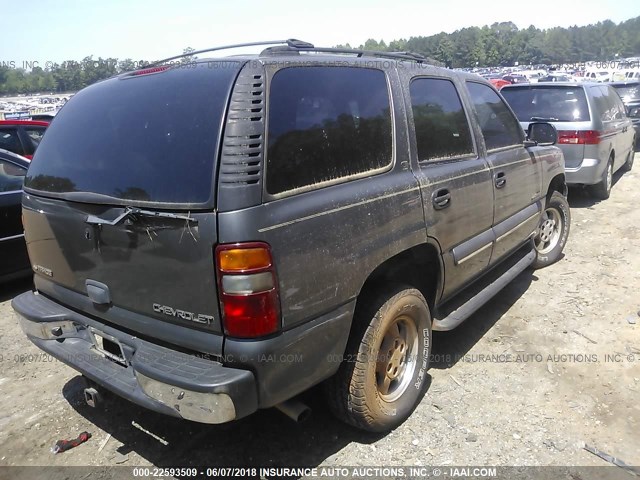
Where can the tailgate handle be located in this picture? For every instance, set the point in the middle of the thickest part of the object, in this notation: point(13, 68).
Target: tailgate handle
point(98, 292)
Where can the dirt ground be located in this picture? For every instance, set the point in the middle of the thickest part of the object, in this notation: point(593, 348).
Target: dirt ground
point(552, 363)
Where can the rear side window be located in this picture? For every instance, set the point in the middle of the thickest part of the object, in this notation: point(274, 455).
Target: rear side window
point(442, 130)
point(9, 140)
point(326, 124)
point(605, 105)
point(554, 104)
point(499, 127)
point(35, 134)
point(615, 103)
point(143, 138)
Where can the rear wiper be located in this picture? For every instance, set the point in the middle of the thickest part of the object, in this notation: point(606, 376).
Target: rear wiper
point(132, 213)
point(543, 119)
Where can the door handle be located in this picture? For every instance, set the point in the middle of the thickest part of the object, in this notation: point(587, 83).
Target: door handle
point(441, 199)
point(500, 179)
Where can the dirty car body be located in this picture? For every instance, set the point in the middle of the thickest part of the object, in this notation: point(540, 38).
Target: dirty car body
point(202, 250)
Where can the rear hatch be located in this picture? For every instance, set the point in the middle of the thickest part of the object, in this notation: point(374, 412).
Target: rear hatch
point(565, 106)
point(119, 206)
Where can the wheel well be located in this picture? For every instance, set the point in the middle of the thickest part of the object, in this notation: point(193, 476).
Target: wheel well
point(418, 267)
point(558, 184)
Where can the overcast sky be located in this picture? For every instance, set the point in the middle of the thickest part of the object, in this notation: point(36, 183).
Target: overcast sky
point(48, 30)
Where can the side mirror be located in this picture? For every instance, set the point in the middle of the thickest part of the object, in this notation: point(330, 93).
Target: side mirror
point(542, 133)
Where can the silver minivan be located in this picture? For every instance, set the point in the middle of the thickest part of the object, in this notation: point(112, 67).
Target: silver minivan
point(594, 132)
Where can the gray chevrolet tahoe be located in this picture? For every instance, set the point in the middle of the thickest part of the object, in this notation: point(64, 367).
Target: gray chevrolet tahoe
point(213, 238)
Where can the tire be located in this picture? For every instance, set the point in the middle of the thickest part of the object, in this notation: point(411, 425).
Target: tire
point(628, 165)
point(553, 231)
point(393, 326)
point(602, 190)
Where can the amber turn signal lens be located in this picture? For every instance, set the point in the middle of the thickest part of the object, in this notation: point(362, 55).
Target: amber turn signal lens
point(244, 259)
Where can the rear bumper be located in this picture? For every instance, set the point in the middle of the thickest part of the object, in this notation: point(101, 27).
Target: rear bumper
point(590, 172)
point(254, 373)
point(158, 378)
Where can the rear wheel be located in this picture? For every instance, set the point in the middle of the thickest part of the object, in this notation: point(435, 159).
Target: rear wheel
point(553, 231)
point(383, 374)
point(602, 190)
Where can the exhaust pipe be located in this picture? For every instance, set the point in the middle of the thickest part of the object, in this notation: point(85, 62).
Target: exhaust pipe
point(295, 410)
point(92, 397)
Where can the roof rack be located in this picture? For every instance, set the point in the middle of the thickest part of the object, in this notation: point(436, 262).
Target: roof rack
point(416, 57)
point(293, 45)
point(290, 43)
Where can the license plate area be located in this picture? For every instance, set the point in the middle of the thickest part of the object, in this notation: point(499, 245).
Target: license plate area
point(108, 346)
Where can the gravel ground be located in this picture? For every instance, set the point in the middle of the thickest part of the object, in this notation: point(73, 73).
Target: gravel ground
point(551, 363)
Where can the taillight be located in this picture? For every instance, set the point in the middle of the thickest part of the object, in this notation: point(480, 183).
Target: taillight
point(579, 137)
point(248, 289)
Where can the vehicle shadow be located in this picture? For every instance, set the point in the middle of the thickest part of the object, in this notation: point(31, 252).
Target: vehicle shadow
point(581, 197)
point(450, 347)
point(11, 289)
point(266, 438)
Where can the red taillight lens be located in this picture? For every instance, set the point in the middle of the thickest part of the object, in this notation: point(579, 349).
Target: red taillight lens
point(250, 316)
point(248, 289)
point(578, 137)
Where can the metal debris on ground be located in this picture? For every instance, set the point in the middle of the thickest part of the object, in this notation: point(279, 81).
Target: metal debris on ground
point(585, 337)
point(613, 460)
point(104, 442)
point(141, 428)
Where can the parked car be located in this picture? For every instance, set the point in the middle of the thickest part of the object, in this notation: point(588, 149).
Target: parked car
point(632, 75)
point(514, 78)
point(14, 261)
point(555, 78)
point(499, 82)
point(594, 132)
point(21, 136)
point(533, 76)
point(629, 92)
point(45, 117)
point(266, 223)
point(601, 76)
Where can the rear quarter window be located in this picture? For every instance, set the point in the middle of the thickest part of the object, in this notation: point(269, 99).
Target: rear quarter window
point(557, 104)
point(326, 125)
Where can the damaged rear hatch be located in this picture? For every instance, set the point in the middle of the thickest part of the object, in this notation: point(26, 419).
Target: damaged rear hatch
point(119, 206)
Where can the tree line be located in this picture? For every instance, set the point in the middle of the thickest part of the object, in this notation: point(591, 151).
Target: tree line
point(68, 76)
point(501, 44)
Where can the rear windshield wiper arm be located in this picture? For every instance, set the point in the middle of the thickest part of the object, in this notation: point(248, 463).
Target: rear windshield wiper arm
point(132, 212)
point(544, 119)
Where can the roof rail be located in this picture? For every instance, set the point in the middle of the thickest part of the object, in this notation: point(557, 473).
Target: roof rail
point(291, 43)
point(294, 45)
point(416, 57)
